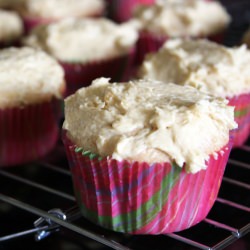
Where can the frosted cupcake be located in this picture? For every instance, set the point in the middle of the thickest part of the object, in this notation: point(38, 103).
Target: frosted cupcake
point(46, 11)
point(210, 67)
point(87, 48)
point(11, 28)
point(179, 18)
point(146, 157)
point(31, 85)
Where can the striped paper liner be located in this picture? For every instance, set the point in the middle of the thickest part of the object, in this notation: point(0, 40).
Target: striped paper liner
point(139, 198)
point(27, 133)
point(242, 117)
point(80, 75)
point(149, 43)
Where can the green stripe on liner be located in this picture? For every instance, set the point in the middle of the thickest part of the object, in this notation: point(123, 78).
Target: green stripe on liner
point(144, 214)
point(242, 112)
point(88, 153)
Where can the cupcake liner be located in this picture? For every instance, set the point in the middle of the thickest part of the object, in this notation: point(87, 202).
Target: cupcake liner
point(148, 43)
point(28, 132)
point(79, 75)
point(31, 22)
point(242, 117)
point(139, 198)
point(121, 10)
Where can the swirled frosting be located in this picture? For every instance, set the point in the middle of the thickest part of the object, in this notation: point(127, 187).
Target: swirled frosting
point(81, 40)
point(183, 18)
point(28, 76)
point(151, 121)
point(56, 9)
point(11, 26)
point(208, 66)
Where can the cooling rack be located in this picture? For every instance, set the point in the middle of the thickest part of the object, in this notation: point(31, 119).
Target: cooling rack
point(37, 200)
point(38, 208)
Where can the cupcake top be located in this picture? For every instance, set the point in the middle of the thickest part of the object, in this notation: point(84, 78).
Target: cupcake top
point(55, 9)
point(246, 38)
point(28, 76)
point(183, 18)
point(11, 26)
point(148, 121)
point(81, 40)
point(203, 64)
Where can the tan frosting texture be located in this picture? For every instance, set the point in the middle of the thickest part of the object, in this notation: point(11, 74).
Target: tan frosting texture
point(183, 18)
point(28, 76)
point(64, 8)
point(81, 40)
point(149, 121)
point(11, 26)
point(56, 9)
point(208, 66)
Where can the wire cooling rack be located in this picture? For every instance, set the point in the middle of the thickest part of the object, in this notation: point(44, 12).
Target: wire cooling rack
point(38, 200)
point(38, 208)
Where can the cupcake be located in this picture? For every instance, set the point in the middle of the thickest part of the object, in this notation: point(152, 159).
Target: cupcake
point(179, 19)
point(46, 11)
point(11, 28)
point(210, 67)
point(87, 48)
point(146, 157)
point(31, 85)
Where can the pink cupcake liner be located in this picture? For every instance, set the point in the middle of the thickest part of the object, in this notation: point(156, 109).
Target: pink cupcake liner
point(79, 75)
point(121, 10)
point(139, 198)
point(149, 43)
point(242, 117)
point(31, 22)
point(28, 132)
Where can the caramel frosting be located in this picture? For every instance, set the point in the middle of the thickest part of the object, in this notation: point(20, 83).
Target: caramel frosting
point(149, 121)
point(208, 66)
point(64, 8)
point(183, 18)
point(28, 76)
point(81, 40)
point(55, 9)
point(11, 26)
